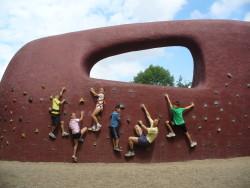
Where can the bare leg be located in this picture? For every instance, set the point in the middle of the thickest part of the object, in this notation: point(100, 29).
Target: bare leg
point(169, 127)
point(189, 137)
point(95, 114)
point(113, 141)
point(131, 141)
point(117, 142)
point(74, 150)
point(83, 131)
point(138, 130)
point(64, 133)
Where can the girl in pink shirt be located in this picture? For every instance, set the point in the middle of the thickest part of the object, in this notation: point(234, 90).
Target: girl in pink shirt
point(77, 132)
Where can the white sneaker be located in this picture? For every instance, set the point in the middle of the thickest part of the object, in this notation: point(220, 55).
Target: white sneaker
point(93, 128)
point(170, 135)
point(193, 144)
point(64, 134)
point(130, 154)
point(52, 135)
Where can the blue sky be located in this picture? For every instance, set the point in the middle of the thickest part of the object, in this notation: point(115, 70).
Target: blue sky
point(22, 21)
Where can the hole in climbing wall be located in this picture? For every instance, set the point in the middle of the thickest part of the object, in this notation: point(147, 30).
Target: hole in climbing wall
point(165, 66)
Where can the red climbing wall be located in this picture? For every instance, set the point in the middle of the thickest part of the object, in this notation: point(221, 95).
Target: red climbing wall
point(221, 91)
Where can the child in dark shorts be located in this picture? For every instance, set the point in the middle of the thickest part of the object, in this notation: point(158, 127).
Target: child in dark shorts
point(55, 113)
point(178, 120)
point(115, 121)
point(77, 132)
point(143, 139)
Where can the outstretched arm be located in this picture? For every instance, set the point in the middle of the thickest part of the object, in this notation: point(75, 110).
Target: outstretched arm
point(190, 106)
point(169, 101)
point(147, 113)
point(143, 126)
point(62, 92)
point(92, 91)
point(81, 117)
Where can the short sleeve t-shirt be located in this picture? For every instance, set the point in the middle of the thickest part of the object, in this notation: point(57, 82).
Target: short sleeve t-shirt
point(115, 119)
point(74, 125)
point(177, 114)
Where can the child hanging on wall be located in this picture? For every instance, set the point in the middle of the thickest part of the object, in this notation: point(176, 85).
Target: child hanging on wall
point(77, 132)
point(178, 120)
point(114, 126)
point(55, 112)
point(98, 109)
point(143, 138)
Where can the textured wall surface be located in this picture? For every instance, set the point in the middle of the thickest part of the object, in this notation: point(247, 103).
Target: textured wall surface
point(221, 91)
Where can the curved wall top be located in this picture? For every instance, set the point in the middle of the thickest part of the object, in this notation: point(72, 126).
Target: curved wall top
point(220, 50)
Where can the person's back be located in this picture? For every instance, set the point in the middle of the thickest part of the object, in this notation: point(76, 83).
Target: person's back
point(177, 115)
point(152, 134)
point(115, 119)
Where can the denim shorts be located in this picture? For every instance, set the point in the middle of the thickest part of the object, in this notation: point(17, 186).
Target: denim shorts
point(114, 132)
point(143, 141)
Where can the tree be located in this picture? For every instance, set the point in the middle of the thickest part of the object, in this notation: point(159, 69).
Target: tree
point(181, 83)
point(155, 75)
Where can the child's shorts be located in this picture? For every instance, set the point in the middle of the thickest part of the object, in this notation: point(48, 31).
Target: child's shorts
point(114, 132)
point(56, 120)
point(182, 127)
point(76, 135)
point(143, 141)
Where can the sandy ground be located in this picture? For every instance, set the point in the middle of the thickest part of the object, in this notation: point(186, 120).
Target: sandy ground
point(217, 173)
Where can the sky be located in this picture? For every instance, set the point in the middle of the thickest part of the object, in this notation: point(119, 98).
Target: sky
point(22, 21)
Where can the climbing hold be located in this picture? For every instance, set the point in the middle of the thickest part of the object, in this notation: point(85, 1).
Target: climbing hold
point(230, 103)
point(7, 143)
point(226, 84)
point(216, 103)
point(245, 115)
point(50, 97)
point(194, 116)
point(221, 109)
point(205, 105)
point(219, 130)
point(4, 130)
point(20, 119)
point(41, 99)
point(248, 85)
point(25, 93)
point(216, 92)
point(11, 112)
point(205, 118)
point(23, 135)
point(14, 129)
point(200, 127)
point(36, 131)
point(1, 137)
point(49, 109)
point(64, 113)
point(30, 99)
point(14, 100)
point(128, 120)
point(5, 107)
point(94, 144)
point(42, 86)
point(233, 120)
point(81, 101)
point(12, 89)
point(237, 95)
point(229, 75)
point(217, 118)
point(11, 120)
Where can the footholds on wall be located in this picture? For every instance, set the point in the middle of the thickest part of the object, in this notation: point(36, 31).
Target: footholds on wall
point(193, 116)
point(217, 118)
point(30, 99)
point(199, 127)
point(237, 95)
point(36, 131)
point(205, 118)
point(233, 120)
point(230, 103)
point(248, 85)
point(20, 119)
point(14, 129)
point(229, 75)
point(221, 109)
point(23, 135)
point(43, 86)
point(11, 112)
point(81, 101)
point(14, 100)
point(11, 121)
point(128, 120)
point(216, 103)
point(205, 105)
point(50, 97)
point(41, 99)
point(219, 130)
point(25, 93)
point(94, 144)
point(7, 143)
point(245, 115)
point(226, 84)
point(5, 107)
point(216, 92)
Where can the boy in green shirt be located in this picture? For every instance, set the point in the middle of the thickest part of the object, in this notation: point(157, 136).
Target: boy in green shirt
point(178, 120)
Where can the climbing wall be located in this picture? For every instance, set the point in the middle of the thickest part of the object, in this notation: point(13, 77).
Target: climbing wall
point(221, 92)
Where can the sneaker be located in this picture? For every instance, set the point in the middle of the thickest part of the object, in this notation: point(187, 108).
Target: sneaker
point(130, 154)
point(51, 135)
point(117, 149)
point(64, 134)
point(98, 127)
point(193, 144)
point(74, 159)
point(170, 135)
point(81, 140)
point(93, 128)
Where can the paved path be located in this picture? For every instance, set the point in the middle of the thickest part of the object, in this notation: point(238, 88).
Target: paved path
point(222, 173)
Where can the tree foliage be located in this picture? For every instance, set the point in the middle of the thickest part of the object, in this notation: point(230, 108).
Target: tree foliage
point(155, 75)
point(181, 83)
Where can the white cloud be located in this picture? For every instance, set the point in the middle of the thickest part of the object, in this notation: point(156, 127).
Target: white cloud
point(23, 21)
point(247, 17)
point(222, 9)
